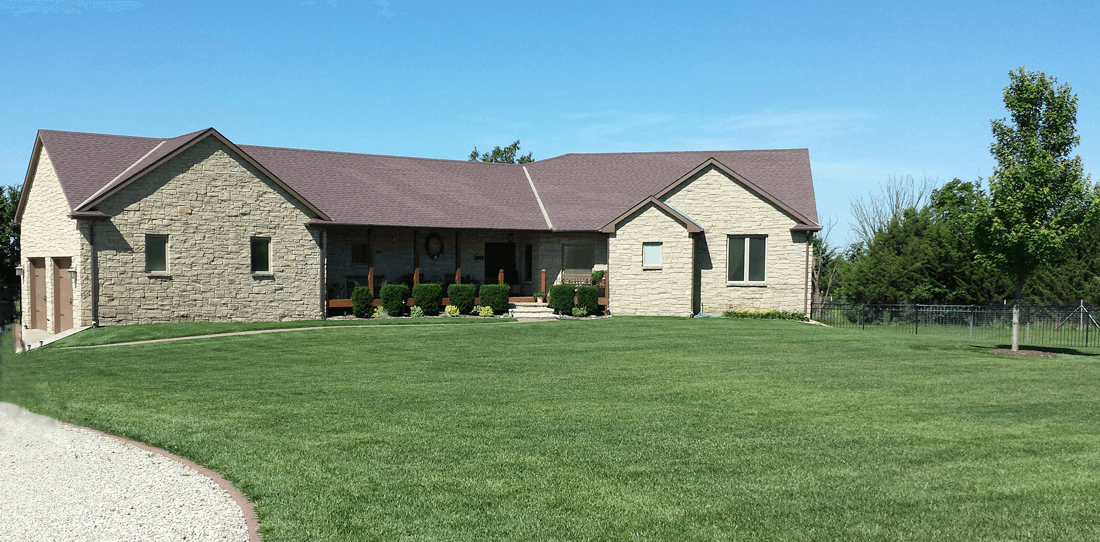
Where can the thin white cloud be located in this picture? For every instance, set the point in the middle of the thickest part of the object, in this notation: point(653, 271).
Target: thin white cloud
point(309, 3)
point(68, 7)
point(385, 11)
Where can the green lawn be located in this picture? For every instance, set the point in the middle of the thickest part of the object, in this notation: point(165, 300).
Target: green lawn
point(614, 429)
point(121, 334)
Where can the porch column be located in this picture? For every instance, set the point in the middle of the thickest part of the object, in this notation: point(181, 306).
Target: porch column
point(458, 259)
point(543, 289)
point(370, 260)
point(416, 259)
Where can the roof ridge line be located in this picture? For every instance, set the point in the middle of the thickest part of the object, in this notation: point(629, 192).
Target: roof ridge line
point(117, 177)
point(375, 155)
point(538, 198)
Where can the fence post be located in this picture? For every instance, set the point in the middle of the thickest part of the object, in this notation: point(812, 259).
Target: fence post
point(972, 321)
point(916, 327)
point(862, 316)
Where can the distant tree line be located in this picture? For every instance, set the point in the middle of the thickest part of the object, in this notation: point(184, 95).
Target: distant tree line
point(1031, 235)
point(926, 254)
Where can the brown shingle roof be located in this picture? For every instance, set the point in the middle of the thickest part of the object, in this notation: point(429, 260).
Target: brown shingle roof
point(579, 191)
point(586, 191)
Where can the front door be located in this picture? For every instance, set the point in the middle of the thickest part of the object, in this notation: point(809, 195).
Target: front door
point(62, 295)
point(38, 293)
point(500, 256)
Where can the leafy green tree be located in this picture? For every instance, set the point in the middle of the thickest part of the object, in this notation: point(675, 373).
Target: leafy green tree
point(9, 236)
point(9, 251)
point(1039, 201)
point(507, 155)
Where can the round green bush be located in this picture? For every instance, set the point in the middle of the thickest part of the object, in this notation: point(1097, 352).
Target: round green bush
point(495, 296)
point(394, 298)
point(561, 298)
point(429, 297)
point(462, 296)
point(362, 300)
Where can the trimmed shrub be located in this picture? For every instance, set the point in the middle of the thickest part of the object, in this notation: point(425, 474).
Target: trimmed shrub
point(495, 296)
point(361, 300)
point(462, 296)
point(561, 298)
point(588, 299)
point(764, 314)
point(428, 297)
point(394, 297)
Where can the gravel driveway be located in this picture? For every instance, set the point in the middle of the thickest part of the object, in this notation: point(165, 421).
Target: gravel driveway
point(60, 483)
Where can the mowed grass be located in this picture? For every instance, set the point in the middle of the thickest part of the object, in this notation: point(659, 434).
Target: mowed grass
point(121, 334)
point(615, 429)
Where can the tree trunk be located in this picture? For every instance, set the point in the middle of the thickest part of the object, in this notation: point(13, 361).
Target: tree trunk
point(1016, 313)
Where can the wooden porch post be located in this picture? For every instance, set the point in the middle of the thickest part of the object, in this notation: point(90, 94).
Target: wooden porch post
point(416, 260)
point(458, 259)
point(500, 277)
point(543, 289)
point(370, 261)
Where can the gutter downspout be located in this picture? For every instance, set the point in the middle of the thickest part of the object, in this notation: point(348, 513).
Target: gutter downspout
point(321, 274)
point(806, 290)
point(95, 273)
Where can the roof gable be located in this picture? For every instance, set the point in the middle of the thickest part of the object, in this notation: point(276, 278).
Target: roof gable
point(168, 149)
point(588, 191)
point(690, 225)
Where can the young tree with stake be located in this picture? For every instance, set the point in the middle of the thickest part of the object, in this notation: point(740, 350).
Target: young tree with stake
point(1039, 201)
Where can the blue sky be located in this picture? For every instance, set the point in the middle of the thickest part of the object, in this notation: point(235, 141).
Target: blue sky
point(872, 89)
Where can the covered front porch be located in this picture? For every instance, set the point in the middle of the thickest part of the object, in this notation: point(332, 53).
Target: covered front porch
point(528, 261)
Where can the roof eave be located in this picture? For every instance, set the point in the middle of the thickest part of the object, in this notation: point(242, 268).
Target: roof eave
point(92, 202)
point(685, 221)
point(28, 179)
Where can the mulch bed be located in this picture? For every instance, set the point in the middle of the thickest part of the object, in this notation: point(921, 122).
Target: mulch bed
point(1024, 353)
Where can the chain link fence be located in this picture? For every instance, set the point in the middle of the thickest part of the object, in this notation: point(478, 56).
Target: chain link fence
point(1040, 325)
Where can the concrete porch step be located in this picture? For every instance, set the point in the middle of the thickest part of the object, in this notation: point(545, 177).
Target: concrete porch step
point(531, 311)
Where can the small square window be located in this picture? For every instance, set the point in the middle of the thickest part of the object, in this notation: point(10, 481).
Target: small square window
point(261, 255)
point(156, 253)
point(651, 254)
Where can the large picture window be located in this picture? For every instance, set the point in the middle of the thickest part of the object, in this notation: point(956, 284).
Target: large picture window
point(578, 260)
point(261, 255)
point(747, 256)
point(156, 253)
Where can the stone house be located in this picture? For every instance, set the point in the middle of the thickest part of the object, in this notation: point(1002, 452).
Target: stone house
point(119, 229)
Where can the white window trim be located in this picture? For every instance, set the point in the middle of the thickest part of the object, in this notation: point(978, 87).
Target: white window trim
point(747, 282)
point(660, 255)
point(167, 257)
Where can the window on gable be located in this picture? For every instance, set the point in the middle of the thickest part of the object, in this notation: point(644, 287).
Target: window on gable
point(156, 253)
point(261, 255)
point(651, 254)
point(747, 258)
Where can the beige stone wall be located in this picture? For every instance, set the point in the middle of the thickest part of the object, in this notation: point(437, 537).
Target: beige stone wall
point(393, 254)
point(723, 207)
point(46, 231)
point(209, 202)
point(652, 291)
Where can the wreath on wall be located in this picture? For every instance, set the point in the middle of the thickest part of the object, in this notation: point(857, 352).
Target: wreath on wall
point(433, 245)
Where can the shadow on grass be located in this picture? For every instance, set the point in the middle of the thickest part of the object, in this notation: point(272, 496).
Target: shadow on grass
point(1034, 351)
